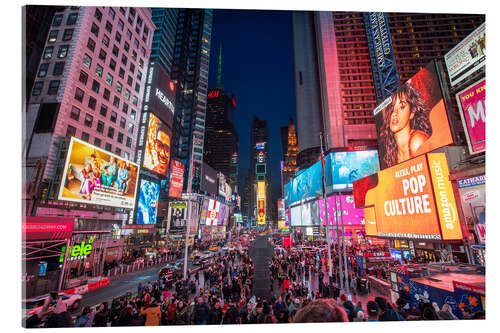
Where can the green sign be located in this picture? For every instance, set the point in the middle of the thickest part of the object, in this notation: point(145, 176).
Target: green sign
point(78, 251)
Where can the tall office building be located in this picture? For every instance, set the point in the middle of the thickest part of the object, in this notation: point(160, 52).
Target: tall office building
point(334, 72)
point(221, 138)
point(162, 48)
point(90, 85)
point(290, 152)
point(190, 74)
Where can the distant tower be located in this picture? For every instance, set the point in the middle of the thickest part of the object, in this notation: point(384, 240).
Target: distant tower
point(290, 160)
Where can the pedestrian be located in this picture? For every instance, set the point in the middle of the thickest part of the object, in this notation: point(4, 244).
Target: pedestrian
point(181, 314)
point(372, 309)
point(152, 314)
point(201, 312)
point(86, 318)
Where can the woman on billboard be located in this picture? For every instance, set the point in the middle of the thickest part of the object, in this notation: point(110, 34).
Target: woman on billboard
point(406, 125)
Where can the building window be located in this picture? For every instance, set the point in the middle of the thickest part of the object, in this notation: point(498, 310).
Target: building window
point(87, 61)
point(109, 79)
point(98, 70)
point(116, 102)
point(68, 34)
point(100, 126)
point(47, 54)
point(79, 94)
point(58, 68)
point(120, 24)
point(85, 137)
point(95, 30)
point(95, 86)
point(130, 80)
point(106, 94)
point(118, 37)
point(42, 71)
point(119, 87)
point(53, 87)
point(112, 64)
point(53, 36)
point(98, 14)
point(72, 19)
point(136, 44)
point(63, 51)
point(126, 46)
point(121, 73)
point(124, 60)
point(91, 44)
point(123, 122)
point(118, 151)
point(129, 142)
point(83, 77)
point(143, 51)
point(137, 87)
point(111, 132)
point(125, 108)
point(132, 67)
point(113, 116)
point(105, 40)
point(130, 128)
point(75, 113)
point(104, 110)
point(70, 131)
point(134, 55)
point(92, 102)
point(135, 100)
point(127, 155)
point(88, 120)
point(111, 13)
point(139, 75)
point(102, 55)
point(132, 114)
point(141, 63)
point(108, 146)
point(115, 51)
point(127, 94)
point(97, 142)
point(120, 137)
point(57, 20)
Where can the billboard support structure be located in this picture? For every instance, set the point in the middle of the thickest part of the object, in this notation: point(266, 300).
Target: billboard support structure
point(328, 240)
point(343, 245)
point(338, 242)
point(188, 218)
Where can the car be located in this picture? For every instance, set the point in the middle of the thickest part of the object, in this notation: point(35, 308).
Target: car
point(35, 305)
point(194, 254)
point(213, 248)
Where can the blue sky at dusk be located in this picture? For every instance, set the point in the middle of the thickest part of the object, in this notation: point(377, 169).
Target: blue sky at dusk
point(257, 66)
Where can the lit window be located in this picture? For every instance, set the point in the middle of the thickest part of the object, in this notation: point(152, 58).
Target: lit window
point(68, 34)
point(53, 36)
point(109, 79)
point(57, 20)
point(75, 113)
point(98, 70)
point(119, 87)
point(87, 61)
point(47, 54)
point(88, 120)
point(37, 88)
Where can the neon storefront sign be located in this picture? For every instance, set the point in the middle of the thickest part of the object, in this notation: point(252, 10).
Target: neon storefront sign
point(78, 251)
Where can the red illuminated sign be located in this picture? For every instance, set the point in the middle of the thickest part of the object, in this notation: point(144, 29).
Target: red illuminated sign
point(213, 94)
point(171, 85)
point(234, 102)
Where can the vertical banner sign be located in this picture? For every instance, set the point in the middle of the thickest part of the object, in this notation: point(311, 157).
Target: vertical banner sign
point(471, 102)
point(176, 179)
point(261, 203)
point(445, 199)
point(385, 72)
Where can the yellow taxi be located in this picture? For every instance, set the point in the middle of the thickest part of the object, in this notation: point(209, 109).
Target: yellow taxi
point(213, 248)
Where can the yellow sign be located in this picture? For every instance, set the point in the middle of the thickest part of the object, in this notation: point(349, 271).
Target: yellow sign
point(370, 221)
point(445, 199)
point(261, 190)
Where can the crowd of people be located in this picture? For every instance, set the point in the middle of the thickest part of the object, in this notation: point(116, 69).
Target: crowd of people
point(221, 293)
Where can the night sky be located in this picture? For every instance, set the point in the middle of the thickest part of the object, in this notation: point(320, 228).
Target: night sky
point(257, 66)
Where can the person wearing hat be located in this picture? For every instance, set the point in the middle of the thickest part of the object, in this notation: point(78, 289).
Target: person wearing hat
point(295, 305)
point(372, 309)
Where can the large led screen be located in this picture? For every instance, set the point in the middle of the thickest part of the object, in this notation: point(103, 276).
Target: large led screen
point(209, 180)
point(212, 213)
point(306, 214)
point(94, 176)
point(204, 209)
point(413, 120)
point(177, 215)
point(176, 179)
point(350, 214)
point(223, 215)
point(471, 102)
point(411, 200)
point(147, 205)
point(157, 150)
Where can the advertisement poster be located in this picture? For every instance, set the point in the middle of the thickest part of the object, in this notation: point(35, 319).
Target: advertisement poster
point(177, 216)
point(305, 215)
point(176, 179)
point(350, 214)
point(94, 176)
point(204, 209)
point(471, 102)
point(212, 213)
point(36, 228)
point(147, 206)
point(412, 200)
point(413, 120)
point(467, 57)
point(223, 215)
point(222, 185)
point(209, 180)
point(473, 200)
point(157, 150)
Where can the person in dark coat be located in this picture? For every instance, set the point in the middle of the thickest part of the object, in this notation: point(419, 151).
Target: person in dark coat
point(60, 317)
point(101, 316)
point(216, 314)
point(201, 313)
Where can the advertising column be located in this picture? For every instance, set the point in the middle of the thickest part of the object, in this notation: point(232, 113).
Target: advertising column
point(261, 203)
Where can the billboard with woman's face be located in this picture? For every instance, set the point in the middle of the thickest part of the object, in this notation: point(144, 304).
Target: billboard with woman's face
point(95, 176)
point(413, 120)
point(157, 150)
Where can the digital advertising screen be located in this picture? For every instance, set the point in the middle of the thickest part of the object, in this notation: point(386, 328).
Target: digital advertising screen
point(350, 214)
point(261, 211)
point(413, 120)
point(177, 215)
point(212, 213)
point(306, 214)
point(295, 216)
point(471, 102)
point(147, 205)
point(157, 149)
point(204, 209)
point(223, 215)
point(412, 200)
point(94, 176)
point(160, 93)
point(209, 180)
point(222, 185)
point(176, 179)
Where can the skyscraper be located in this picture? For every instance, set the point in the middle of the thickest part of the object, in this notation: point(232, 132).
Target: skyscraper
point(334, 73)
point(190, 73)
point(162, 47)
point(221, 138)
point(291, 149)
point(90, 85)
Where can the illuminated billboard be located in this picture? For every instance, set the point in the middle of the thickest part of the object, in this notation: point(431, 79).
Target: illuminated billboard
point(94, 176)
point(471, 102)
point(176, 179)
point(412, 200)
point(212, 213)
point(223, 214)
point(261, 190)
point(204, 209)
point(157, 149)
point(413, 120)
point(261, 202)
point(341, 169)
point(305, 214)
point(209, 179)
point(350, 214)
point(222, 185)
point(147, 205)
point(177, 216)
point(260, 145)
